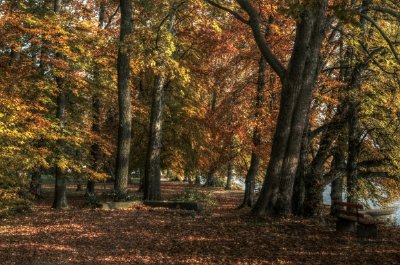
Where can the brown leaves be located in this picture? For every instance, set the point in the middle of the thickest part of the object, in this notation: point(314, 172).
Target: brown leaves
point(143, 235)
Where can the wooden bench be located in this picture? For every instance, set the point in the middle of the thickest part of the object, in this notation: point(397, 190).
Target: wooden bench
point(351, 217)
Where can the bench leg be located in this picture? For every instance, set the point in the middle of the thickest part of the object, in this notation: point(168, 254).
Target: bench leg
point(344, 225)
point(367, 230)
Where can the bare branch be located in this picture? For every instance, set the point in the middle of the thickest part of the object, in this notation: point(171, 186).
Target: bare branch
point(112, 16)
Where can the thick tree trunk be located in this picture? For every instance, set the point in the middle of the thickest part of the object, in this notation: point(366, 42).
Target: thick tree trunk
point(229, 177)
point(60, 197)
point(153, 167)
point(210, 181)
point(152, 175)
point(124, 101)
point(297, 85)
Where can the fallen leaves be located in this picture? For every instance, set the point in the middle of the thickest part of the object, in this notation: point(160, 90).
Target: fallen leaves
point(144, 235)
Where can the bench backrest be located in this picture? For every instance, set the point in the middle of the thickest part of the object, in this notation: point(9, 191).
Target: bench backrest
point(351, 209)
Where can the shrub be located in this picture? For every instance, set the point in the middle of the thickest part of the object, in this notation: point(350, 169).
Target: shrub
point(195, 195)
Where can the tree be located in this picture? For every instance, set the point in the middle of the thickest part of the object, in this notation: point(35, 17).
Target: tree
point(297, 81)
point(124, 127)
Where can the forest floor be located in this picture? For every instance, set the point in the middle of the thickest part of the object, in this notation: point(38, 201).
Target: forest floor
point(144, 235)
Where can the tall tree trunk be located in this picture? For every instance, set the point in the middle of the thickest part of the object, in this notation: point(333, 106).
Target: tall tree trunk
point(251, 175)
point(152, 173)
point(124, 101)
point(297, 85)
point(229, 177)
point(95, 148)
point(353, 153)
point(60, 189)
point(354, 135)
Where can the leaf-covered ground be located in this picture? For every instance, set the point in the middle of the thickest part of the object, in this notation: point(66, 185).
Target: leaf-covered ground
point(143, 235)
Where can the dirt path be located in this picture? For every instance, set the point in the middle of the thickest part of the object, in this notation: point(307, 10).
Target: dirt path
point(143, 235)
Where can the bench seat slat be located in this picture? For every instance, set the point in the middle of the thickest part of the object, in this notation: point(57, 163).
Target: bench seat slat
point(362, 220)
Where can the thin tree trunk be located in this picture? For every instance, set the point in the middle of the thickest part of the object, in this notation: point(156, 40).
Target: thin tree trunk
point(251, 175)
point(35, 186)
point(124, 101)
point(95, 148)
point(229, 177)
point(60, 189)
point(248, 200)
point(354, 135)
point(353, 153)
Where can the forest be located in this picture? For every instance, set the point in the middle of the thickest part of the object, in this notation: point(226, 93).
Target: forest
point(218, 127)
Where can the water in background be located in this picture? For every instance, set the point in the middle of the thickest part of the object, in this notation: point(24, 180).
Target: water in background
point(327, 200)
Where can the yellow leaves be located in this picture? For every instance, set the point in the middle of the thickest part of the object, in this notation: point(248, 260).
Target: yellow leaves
point(62, 164)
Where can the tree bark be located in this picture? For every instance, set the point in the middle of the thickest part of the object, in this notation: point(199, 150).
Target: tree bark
point(60, 189)
point(353, 153)
point(124, 101)
point(152, 174)
point(299, 190)
point(248, 199)
point(60, 197)
point(210, 181)
point(229, 177)
point(95, 148)
point(297, 85)
point(35, 186)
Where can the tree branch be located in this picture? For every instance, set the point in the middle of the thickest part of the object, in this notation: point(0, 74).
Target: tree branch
point(254, 22)
point(383, 34)
point(385, 11)
point(230, 11)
